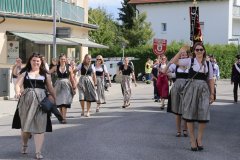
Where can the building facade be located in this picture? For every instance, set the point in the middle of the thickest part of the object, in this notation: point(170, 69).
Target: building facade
point(219, 19)
point(26, 26)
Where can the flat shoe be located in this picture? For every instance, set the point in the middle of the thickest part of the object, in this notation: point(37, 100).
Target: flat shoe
point(39, 155)
point(185, 133)
point(24, 149)
point(178, 134)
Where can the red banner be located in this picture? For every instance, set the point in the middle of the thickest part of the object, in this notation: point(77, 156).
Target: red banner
point(159, 46)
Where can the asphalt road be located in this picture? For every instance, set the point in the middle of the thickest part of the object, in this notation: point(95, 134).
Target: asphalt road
point(140, 132)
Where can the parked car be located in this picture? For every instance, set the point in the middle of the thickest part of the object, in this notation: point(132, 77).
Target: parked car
point(141, 77)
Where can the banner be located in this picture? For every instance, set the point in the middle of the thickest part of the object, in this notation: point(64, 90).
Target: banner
point(159, 46)
point(195, 29)
point(12, 51)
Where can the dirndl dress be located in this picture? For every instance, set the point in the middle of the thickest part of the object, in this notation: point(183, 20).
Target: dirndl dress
point(176, 97)
point(100, 90)
point(162, 86)
point(126, 87)
point(87, 91)
point(196, 102)
point(64, 94)
point(32, 118)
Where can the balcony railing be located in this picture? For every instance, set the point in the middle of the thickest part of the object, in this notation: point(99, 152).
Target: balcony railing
point(42, 8)
point(236, 11)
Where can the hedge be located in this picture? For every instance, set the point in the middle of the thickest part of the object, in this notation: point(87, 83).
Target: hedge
point(225, 55)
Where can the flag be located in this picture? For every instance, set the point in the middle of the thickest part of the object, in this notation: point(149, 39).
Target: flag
point(195, 29)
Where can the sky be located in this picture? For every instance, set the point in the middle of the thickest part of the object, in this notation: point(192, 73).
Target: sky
point(111, 6)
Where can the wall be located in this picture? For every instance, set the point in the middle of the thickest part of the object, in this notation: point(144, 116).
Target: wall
point(32, 26)
point(176, 15)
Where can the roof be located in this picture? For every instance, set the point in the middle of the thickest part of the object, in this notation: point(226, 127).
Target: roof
point(156, 1)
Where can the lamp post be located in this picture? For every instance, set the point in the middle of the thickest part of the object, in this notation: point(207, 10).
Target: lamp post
point(123, 47)
point(54, 29)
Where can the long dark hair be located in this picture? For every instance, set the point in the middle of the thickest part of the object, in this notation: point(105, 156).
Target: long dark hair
point(28, 66)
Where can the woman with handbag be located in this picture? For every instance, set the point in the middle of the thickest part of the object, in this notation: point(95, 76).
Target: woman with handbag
point(175, 100)
point(101, 71)
point(199, 93)
point(65, 86)
point(127, 75)
point(32, 118)
point(86, 84)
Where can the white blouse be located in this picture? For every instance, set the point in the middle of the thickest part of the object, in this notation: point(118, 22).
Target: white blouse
point(197, 67)
point(172, 68)
point(79, 67)
point(100, 69)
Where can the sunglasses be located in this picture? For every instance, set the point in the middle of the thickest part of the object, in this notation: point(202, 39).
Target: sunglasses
point(199, 50)
point(99, 59)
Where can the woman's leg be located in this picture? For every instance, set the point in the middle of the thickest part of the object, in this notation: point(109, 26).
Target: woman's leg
point(201, 127)
point(88, 108)
point(24, 137)
point(38, 139)
point(190, 126)
point(185, 129)
point(82, 105)
point(98, 107)
point(64, 114)
point(178, 125)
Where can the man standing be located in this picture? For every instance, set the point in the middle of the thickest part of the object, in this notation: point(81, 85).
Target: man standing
point(154, 79)
point(148, 70)
point(235, 78)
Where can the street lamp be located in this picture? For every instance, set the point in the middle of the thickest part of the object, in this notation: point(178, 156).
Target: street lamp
point(123, 47)
point(235, 39)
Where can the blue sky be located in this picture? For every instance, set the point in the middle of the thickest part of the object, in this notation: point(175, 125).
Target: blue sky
point(111, 6)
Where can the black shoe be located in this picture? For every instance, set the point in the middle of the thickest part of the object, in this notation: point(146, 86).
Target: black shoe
point(200, 148)
point(194, 149)
point(123, 106)
point(185, 133)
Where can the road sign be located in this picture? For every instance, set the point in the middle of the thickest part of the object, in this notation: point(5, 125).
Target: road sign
point(159, 46)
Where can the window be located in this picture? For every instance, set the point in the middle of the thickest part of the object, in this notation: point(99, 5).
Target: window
point(164, 27)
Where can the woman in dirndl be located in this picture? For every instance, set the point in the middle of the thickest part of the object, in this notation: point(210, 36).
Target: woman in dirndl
point(101, 71)
point(86, 84)
point(175, 101)
point(36, 82)
point(65, 86)
point(162, 81)
point(127, 75)
point(199, 94)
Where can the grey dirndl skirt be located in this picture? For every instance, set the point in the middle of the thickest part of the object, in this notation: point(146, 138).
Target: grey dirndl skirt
point(32, 118)
point(87, 91)
point(176, 97)
point(64, 95)
point(100, 90)
point(126, 86)
point(195, 103)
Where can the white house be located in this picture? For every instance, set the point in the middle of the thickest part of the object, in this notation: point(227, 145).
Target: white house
point(219, 19)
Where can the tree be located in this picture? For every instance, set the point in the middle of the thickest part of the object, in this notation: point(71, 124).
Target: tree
point(127, 14)
point(140, 33)
point(107, 32)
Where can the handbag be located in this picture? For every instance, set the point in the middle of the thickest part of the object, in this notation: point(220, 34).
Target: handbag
point(118, 78)
point(46, 105)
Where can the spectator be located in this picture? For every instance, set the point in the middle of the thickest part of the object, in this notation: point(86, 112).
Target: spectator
point(235, 78)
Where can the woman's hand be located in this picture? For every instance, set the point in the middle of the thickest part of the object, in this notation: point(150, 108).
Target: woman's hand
point(18, 95)
point(211, 98)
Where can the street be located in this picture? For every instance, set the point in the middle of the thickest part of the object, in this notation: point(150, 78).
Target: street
point(140, 132)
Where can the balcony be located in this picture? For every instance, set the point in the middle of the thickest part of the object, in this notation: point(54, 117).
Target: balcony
point(42, 9)
point(236, 11)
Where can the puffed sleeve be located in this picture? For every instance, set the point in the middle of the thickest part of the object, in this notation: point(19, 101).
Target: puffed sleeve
point(79, 67)
point(210, 75)
point(184, 62)
point(105, 68)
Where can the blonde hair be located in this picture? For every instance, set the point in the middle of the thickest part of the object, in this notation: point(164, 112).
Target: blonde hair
point(100, 57)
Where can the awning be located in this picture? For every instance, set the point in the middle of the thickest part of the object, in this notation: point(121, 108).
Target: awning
point(40, 38)
point(85, 42)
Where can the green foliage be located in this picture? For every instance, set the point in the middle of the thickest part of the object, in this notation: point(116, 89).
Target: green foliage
point(225, 55)
point(107, 32)
point(127, 14)
point(140, 33)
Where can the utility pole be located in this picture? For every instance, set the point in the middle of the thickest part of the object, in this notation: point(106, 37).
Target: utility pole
point(54, 28)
